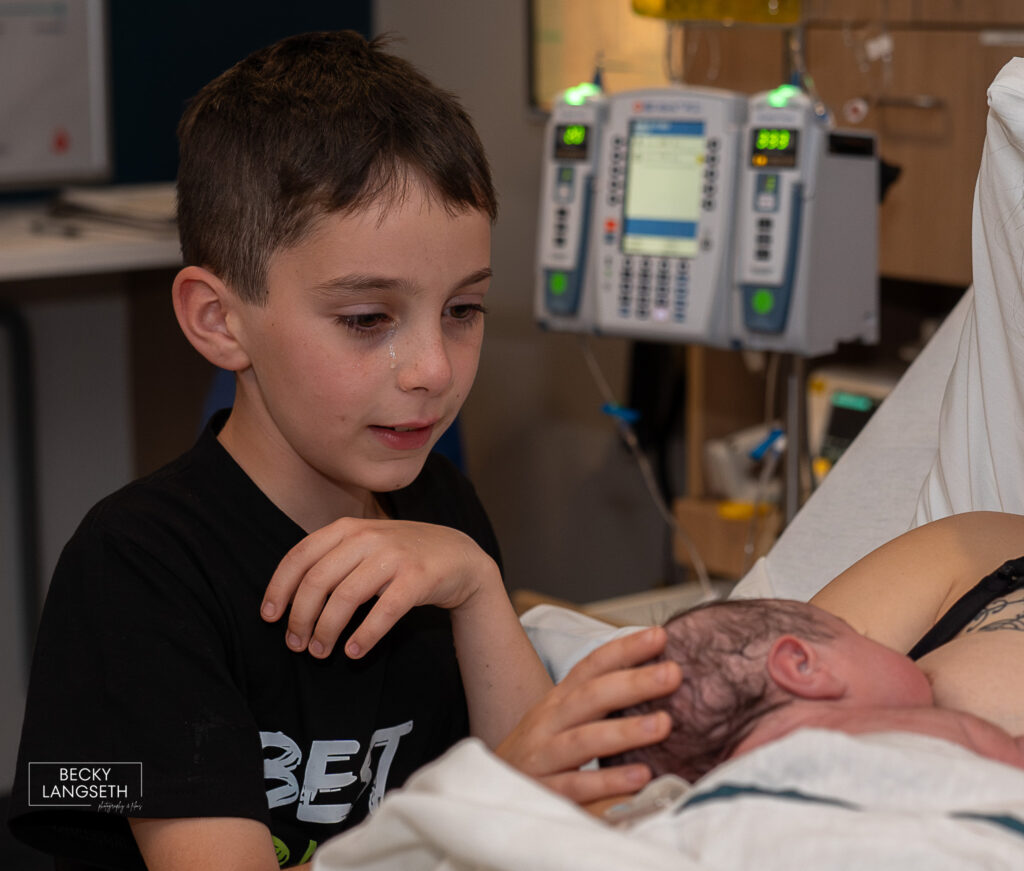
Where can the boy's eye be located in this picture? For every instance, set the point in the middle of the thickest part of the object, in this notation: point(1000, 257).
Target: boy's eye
point(466, 311)
point(363, 323)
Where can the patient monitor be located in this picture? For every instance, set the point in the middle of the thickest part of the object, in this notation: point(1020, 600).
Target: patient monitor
point(662, 236)
point(807, 230)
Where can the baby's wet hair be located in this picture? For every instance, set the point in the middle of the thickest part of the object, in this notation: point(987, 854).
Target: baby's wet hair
point(722, 649)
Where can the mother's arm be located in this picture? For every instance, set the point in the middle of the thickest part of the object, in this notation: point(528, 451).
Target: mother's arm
point(896, 593)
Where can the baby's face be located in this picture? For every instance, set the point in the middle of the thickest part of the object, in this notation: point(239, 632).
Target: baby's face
point(876, 675)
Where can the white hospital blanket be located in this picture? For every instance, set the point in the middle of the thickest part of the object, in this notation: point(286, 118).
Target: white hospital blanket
point(826, 800)
point(815, 799)
point(470, 812)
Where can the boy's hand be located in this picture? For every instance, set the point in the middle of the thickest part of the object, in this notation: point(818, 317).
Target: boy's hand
point(566, 728)
point(333, 571)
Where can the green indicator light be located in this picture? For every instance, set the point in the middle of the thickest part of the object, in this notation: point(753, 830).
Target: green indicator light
point(763, 301)
point(578, 95)
point(780, 96)
point(854, 401)
point(558, 283)
point(574, 134)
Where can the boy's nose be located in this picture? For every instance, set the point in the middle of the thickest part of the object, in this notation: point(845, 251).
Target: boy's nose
point(423, 364)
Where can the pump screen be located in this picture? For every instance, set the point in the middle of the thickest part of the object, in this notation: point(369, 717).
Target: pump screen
point(773, 146)
point(664, 175)
point(571, 141)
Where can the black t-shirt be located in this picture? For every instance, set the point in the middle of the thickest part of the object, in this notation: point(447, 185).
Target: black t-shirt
point(152, 655)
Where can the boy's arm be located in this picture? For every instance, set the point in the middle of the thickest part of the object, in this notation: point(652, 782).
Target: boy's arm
point(547, 735)
point(206, 844)
point(501, 673)
point(897, 592)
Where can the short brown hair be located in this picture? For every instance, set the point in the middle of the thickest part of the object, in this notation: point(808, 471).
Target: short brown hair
point(722, 649)
point(316, 124)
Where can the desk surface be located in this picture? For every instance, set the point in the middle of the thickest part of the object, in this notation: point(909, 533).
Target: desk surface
point(33, 245)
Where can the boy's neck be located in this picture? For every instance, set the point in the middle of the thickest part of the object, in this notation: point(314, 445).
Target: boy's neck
point(307, 497)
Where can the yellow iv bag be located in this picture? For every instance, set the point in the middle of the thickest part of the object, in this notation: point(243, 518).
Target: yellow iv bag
point(780, 12)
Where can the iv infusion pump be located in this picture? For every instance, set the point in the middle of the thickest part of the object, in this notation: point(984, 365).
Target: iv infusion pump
point(573, 136)
point(807, 231)
point(707, 217)
point(662, 252)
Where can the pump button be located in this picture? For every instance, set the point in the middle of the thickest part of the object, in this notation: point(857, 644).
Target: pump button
point(558, 283)
point(762, 301)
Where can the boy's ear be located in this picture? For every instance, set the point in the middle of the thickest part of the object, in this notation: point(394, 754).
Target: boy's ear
point(796, 666)
point(203, 305)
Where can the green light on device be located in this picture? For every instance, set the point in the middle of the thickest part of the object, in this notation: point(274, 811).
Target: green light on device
point(763, 301)
point(853, 401)
point(778, 98)
point(578, 95)
point(558, 283)
point(574, 134)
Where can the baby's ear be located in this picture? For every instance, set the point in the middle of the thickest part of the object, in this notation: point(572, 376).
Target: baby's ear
point(796, 666)
point(203, 305)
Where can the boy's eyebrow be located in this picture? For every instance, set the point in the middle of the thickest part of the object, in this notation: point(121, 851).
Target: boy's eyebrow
point(356, 282)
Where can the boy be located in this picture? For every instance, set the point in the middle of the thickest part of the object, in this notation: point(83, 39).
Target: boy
point(335, 212)
point(756, 670)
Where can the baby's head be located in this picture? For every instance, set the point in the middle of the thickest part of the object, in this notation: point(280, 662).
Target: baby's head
point(742, 660)
point(317, 124)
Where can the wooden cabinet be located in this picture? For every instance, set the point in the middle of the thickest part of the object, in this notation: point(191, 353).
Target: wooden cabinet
point(928, 106)
point(914, 72)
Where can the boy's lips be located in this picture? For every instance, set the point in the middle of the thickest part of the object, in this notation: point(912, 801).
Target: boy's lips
point(404, 436)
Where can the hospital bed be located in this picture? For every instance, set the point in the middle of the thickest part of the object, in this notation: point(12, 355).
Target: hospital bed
point(949, 438)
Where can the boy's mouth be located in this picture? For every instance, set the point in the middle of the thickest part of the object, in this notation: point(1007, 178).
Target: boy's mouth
point(404, 436)
point(405, 427)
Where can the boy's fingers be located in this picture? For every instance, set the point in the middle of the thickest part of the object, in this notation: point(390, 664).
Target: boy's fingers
point(595, 698)
point(334, 579)
point(584, 787)
point(630, 650)
point(570, 749)
point(362, 584)
point(292, 569)
point(385, 613)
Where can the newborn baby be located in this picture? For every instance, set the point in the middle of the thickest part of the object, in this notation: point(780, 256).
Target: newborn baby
point(755, 670)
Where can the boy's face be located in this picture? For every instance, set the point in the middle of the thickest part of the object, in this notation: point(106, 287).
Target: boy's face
point(367, 346)
point(876, 675)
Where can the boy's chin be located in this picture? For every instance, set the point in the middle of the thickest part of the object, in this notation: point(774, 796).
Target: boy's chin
point(399, 475)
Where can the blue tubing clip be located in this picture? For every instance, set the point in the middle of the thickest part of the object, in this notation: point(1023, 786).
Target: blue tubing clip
point(765, 446)
point(626, 415)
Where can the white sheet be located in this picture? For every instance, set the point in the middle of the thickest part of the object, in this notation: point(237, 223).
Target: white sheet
point(816, 799)
point(980, 461)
